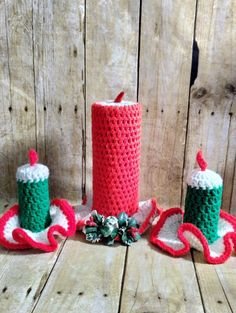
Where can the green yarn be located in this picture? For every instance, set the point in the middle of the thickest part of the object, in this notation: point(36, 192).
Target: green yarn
point(34, 204)
point(202, 208)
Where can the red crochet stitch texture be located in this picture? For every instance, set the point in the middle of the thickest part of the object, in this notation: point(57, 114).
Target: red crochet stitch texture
point(116, 136)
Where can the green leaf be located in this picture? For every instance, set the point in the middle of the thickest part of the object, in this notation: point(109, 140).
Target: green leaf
point(110, 241)
point(91, 229)
point(122, 219)
point(132, 222)
point(106, 230)
point(99, 219)
point(114, 233)
point(112, 221)
point(137, 236)
point(124, 238)
point(93, 237)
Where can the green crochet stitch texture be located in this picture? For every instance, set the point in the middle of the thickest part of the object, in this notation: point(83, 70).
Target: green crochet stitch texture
point(202, 208)
point(34, 204)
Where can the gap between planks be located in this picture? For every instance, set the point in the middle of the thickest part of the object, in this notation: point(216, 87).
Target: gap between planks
point(46, 281)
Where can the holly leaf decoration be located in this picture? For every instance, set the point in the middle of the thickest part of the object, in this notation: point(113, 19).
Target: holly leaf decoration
point(93, 237)
point(110, 229)
point(122, 219)
point(132, 222)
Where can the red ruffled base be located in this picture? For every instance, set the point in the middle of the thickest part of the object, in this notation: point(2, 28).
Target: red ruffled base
point(12, 236)
point(176, 237)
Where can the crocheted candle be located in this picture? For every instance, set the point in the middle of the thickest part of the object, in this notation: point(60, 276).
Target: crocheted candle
point(203, 200)
point(33, 194)
point(116, 133)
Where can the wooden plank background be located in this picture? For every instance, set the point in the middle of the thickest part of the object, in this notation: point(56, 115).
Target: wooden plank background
point(178, 59)
point(57, 57)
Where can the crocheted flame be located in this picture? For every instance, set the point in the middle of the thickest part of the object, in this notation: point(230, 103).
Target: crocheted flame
point(176, 237)
point(200, 160)
point(12, 236)
point(33, 157)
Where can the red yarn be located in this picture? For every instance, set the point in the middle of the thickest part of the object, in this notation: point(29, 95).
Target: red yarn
point(116, 134)
point(187, 227)
point(33, 157)
point(23, 239)
point(200, 160)
point(119, 97)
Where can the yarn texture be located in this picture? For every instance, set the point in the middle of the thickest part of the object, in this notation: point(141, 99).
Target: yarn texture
point(35, 220)
point(116, 141)
point(202, 226)
point(202, 208)
point(34, 204)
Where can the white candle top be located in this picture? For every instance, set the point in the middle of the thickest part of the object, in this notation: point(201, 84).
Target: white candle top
point(204, 179)
point(32, 173)
point(115, 104)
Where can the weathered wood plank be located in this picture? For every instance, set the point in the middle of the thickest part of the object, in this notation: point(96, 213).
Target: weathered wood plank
point(233, 198)
point(17, 90)
point(6, 204)
point(231, 172)
point(229, 195)
point(5, 102)
point(165, 63)
point(227, 275)
point(86, 278)
point(23, 275)
point(156, 282)
point(112, 29)
point(212, 95)
point(59, 67)
point(213, 296)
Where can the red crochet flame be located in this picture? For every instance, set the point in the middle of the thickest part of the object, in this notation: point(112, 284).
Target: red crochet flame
point(200, 160)
point(33, 157)
point(119, 97)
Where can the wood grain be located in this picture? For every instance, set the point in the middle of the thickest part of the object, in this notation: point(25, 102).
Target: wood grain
point(5, 103)
point(210, 126)
point(44, 87)
point(230, 172)
point(59, 72)
point(17, 90)
point(213, 296)
point(227, 276)
point(111, 56)
point(233, 198)
point(86, 278)
point(155, 282)
point(23, 275)
point(165, 63)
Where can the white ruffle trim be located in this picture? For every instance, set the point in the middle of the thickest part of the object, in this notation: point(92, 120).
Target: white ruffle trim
point(168, 234)
point(57, 216)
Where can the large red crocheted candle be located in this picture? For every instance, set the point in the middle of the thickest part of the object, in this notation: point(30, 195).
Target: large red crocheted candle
point(116, 141)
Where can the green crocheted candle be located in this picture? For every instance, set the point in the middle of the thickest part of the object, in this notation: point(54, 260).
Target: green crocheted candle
point(202, 208)
point(33, 195)
point(34, 203)
point(203, 200)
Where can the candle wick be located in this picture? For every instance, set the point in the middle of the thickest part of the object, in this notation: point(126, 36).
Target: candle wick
point(119, 97)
